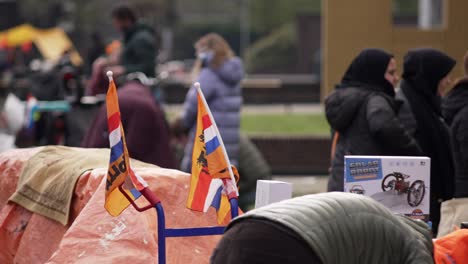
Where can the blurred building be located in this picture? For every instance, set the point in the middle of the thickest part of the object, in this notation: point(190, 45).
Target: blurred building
point(350, 26)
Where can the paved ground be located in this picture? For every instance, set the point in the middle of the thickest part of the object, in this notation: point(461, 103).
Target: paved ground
point(303, 185)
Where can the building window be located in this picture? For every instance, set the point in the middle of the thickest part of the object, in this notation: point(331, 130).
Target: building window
point(424, 14)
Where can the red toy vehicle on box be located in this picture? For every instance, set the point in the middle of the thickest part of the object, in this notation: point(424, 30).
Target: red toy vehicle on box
point(396, 181)
point(357, 189)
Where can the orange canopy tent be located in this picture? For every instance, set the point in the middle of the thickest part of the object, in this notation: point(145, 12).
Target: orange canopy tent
point(51, 43)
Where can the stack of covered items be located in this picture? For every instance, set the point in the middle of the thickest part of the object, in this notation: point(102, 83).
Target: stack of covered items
point(52, 211)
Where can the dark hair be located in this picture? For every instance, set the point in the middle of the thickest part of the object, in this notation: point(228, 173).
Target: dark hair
point(124, 12)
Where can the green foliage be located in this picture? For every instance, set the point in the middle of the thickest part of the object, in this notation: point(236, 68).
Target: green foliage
point(267, 15)
point(279, 123)
point(186, 35)
point(405, 7)
point(276, 52)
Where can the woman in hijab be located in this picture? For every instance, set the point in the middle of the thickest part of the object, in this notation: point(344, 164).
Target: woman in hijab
point(425, 77)
point(363, 112)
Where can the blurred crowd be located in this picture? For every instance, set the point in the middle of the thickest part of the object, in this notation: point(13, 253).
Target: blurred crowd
point(372, 111)
point(153, 137)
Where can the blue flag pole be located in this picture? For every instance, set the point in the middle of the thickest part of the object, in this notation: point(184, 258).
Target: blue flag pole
point(234, 207)
point(164, 232)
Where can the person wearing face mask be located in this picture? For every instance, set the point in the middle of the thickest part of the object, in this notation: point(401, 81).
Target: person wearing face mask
point(219, 73)
point(362, 112)
point(425, 78)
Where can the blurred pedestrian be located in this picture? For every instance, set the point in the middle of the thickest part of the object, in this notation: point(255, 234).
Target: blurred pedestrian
point(455, 112)
point(95, 50)
point(425, 77)
point(362, 111)
point(219, 73)
point(252, 167)
point(146, 131)
point(98, 82)
point(139, 50)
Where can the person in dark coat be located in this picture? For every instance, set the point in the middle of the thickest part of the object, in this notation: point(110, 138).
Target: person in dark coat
point(139, 48)
point(219, 73)
point(363, 111)
point(425, 76)
point(252, 167)
point(455, 112)
point(146, 131)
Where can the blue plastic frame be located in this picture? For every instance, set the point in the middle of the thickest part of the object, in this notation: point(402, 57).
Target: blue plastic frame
point(164, 232)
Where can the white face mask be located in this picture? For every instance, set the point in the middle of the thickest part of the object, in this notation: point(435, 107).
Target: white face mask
point(205, 56)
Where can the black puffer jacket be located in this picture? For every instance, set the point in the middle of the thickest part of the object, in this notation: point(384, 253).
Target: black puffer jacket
point(362, 110)
point(455, 112)
point(367, 125)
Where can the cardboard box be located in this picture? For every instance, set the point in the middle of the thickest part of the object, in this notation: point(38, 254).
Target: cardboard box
point(271, 192)
point(399, 183)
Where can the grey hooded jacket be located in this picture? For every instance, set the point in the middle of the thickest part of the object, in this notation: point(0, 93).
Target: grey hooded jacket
point(350, 228)
point(222, 90)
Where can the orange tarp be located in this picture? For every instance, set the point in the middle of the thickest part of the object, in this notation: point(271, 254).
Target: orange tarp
point(93, 236)
point(452, 248)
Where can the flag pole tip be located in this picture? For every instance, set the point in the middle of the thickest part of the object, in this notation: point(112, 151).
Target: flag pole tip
point(197, 85)
point(110, 74)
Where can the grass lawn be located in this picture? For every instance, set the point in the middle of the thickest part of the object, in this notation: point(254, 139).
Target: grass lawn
point(289, 124)
point(280, 123)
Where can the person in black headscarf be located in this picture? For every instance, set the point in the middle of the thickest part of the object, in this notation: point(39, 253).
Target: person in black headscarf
point(425, 77)
point(362, 112)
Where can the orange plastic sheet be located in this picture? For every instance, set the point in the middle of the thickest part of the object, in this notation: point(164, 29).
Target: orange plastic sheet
point(452, 248)
point(93, 236)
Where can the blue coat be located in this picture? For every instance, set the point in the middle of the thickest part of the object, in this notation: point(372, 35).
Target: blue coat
point(223, 94)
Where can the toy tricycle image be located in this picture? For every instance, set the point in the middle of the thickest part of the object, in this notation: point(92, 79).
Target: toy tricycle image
point(357, 189)
point(396, 181)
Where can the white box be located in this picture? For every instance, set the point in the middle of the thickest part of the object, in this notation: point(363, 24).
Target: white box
point(271, 192)
point(399, 183)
